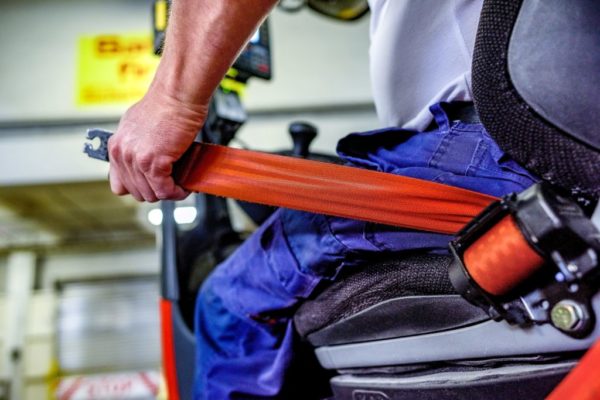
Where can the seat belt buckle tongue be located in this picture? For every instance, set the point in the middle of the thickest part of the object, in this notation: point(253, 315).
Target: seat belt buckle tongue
point(99, 152)
point(531, 258)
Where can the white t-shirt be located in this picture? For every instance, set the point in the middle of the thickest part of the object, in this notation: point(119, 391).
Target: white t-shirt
point(420, 54)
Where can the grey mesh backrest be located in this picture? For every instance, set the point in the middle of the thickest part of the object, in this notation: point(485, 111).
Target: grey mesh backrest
point(536, 85)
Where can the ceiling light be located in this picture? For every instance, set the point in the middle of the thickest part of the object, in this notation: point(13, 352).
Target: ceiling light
point(155, 216)
point(185, 215)
point(182, 215)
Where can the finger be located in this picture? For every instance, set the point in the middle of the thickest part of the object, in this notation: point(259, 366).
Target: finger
point(116, 185)
point(136, 183)
point(125, 165)
point(117, 174)
point(128, 182)
point(132, 189)
point(162, 182)
point(121, 183)
point(168, 189)
point(143, 186)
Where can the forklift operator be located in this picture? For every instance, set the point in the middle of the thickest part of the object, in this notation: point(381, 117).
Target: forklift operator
point(420, 59)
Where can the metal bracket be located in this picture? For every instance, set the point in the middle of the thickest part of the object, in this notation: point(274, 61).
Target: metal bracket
point(559, 294)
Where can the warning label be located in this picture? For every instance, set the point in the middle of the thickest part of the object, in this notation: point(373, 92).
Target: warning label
point(114, 69)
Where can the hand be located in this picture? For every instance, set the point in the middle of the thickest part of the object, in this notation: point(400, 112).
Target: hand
point(151, 136)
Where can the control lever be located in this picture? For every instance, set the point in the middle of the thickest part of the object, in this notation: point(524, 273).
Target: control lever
point(302, 134)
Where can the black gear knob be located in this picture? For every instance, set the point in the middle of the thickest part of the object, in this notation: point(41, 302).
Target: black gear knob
point(302, 134)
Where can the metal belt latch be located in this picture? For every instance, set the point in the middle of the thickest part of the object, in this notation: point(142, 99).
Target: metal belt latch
point(99, 152)
point(531, 258)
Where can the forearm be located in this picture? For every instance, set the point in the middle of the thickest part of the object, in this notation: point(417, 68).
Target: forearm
point(203, 39)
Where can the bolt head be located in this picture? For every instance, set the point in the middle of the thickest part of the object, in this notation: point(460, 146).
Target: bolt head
point(566, 315)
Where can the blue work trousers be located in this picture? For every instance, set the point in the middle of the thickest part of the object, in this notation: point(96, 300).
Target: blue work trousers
point(244, 310)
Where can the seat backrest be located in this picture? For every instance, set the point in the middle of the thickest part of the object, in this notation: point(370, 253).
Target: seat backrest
point(536, 85)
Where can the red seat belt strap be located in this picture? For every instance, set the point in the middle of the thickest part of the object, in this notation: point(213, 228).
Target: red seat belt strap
point(328, 188)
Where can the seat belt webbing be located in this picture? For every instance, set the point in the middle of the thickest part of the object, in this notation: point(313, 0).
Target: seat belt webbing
point(328, 188)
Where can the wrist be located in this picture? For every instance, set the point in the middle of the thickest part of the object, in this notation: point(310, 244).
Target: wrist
point(166, 102)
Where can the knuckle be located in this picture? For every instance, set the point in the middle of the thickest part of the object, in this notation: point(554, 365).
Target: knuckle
point(161, 166)
point(128, 156)
point(145, 161)
point(114, 150)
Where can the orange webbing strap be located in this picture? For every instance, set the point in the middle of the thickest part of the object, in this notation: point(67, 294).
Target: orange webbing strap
point(501, 258)
point(328, 189)
point(583, 382)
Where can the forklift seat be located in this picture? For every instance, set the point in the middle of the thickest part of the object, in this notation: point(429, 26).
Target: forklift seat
point(535, 86)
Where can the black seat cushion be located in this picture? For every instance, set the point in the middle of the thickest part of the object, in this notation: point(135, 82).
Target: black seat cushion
point(411, 276)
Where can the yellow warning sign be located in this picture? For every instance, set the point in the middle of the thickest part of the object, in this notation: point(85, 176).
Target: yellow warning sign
point(114, 69)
